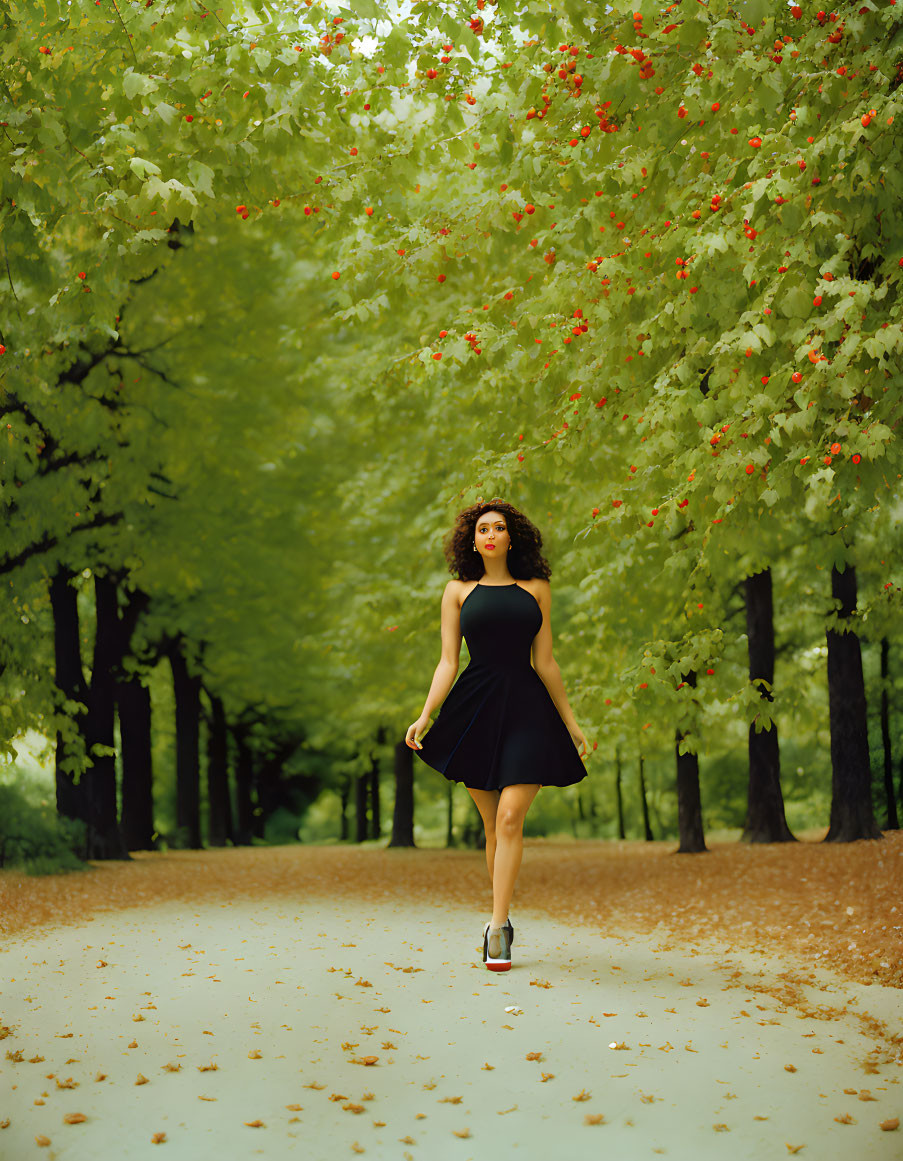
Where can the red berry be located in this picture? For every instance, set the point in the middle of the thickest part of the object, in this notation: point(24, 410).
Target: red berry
point(437, 355)
point(856, 458)
point(440, 277)
point(189, 117)
point(750, 468)
point(335, 274)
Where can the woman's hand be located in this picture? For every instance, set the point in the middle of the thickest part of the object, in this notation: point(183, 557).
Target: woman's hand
point(579, 740)
point(415, 730)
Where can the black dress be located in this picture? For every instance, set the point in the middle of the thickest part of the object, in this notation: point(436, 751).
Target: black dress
point(498, 725)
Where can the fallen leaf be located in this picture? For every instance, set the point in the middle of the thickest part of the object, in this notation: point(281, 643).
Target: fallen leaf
point(352, 1108)
point(721, 1128)
point(794, 1148)
point(255, 1124)
point(865, 1095)
point(356, 1148)
point(158, 1138)
point(407, 1140)
point(846, 1119)
point(540, 984)
point(41, 1140)
point(544, 1076)
point(703, 1003)
point(533, 1056)
point(295, 1108)
point(890, 1124)
point(74, 1118)
point(141, 1079)
point(461, 1132)
point(790, 1068)
point(255, 1054)
point(337, 1096)
point(583, 1095)
point(314, 1084)
point(450, 1100)
point(594, 1119)
point(503, 1112)
point(487, 1068)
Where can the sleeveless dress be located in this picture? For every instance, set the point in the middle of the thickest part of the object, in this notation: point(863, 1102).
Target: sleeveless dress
point(498, 725)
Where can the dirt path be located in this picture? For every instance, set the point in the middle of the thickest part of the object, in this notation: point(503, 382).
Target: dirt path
point(332, 1024)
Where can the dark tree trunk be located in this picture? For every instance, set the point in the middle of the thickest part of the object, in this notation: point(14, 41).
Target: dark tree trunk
point(137, 815)
point(244, 780)
point(647, 829)
point(375, 814)
point(765, 820)
point(344, 796)
point(360, 807)
point(187, 689)
point(103, 838)
point(70, 681)
point(618, 795)
point(689, 802)
point(218, 777)
point(889, 797)
point(403, 813)
point(852, 815)
point(450, 811)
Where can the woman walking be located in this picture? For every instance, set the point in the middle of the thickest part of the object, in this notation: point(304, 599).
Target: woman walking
point(505, 729)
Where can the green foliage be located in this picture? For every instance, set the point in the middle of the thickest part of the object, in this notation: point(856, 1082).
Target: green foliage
point(274, 454)
point(34, 839)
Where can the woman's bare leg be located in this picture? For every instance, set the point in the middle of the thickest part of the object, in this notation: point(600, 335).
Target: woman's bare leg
point(514, 802)
point(487, 802)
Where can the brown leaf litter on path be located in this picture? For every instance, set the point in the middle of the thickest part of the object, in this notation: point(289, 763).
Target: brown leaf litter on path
point(838, 905)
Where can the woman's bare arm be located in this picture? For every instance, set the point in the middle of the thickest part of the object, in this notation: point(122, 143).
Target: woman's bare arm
point(447, 669)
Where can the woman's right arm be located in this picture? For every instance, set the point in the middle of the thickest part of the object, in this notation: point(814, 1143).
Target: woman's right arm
point(447, 669)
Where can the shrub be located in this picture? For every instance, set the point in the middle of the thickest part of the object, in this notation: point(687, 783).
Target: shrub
point(34, 839)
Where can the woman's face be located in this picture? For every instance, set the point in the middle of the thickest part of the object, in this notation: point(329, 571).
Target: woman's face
point(491, 536)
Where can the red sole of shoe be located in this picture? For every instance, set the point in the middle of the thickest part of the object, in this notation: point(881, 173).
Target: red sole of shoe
point(499, 967)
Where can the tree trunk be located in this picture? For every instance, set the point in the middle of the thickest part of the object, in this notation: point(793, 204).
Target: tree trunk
point(360, 807)
point(852, 816)
point(70, 681)
point(187, 690)
point(689, 802)
point(618, 795)
point(220, 823)
point(137, 815)
point(103, 838)
point(244, 780)
point(765, 820)
point(403, 813)
point(375, 815)
point(647, 829)
point(892, 822)
point(344, 795)
point(450, 808)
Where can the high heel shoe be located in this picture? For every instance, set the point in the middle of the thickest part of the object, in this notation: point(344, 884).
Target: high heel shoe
point(497, 949)
point(508, 928)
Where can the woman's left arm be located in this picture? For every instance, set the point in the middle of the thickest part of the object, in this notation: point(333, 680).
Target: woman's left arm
point(547, 667)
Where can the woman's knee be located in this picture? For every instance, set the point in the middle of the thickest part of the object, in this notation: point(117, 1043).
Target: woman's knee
point(509, 823)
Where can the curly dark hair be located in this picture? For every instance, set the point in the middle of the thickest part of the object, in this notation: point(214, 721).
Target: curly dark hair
point(525, 560)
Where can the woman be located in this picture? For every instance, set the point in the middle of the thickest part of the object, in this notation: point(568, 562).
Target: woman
point(505, 724)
